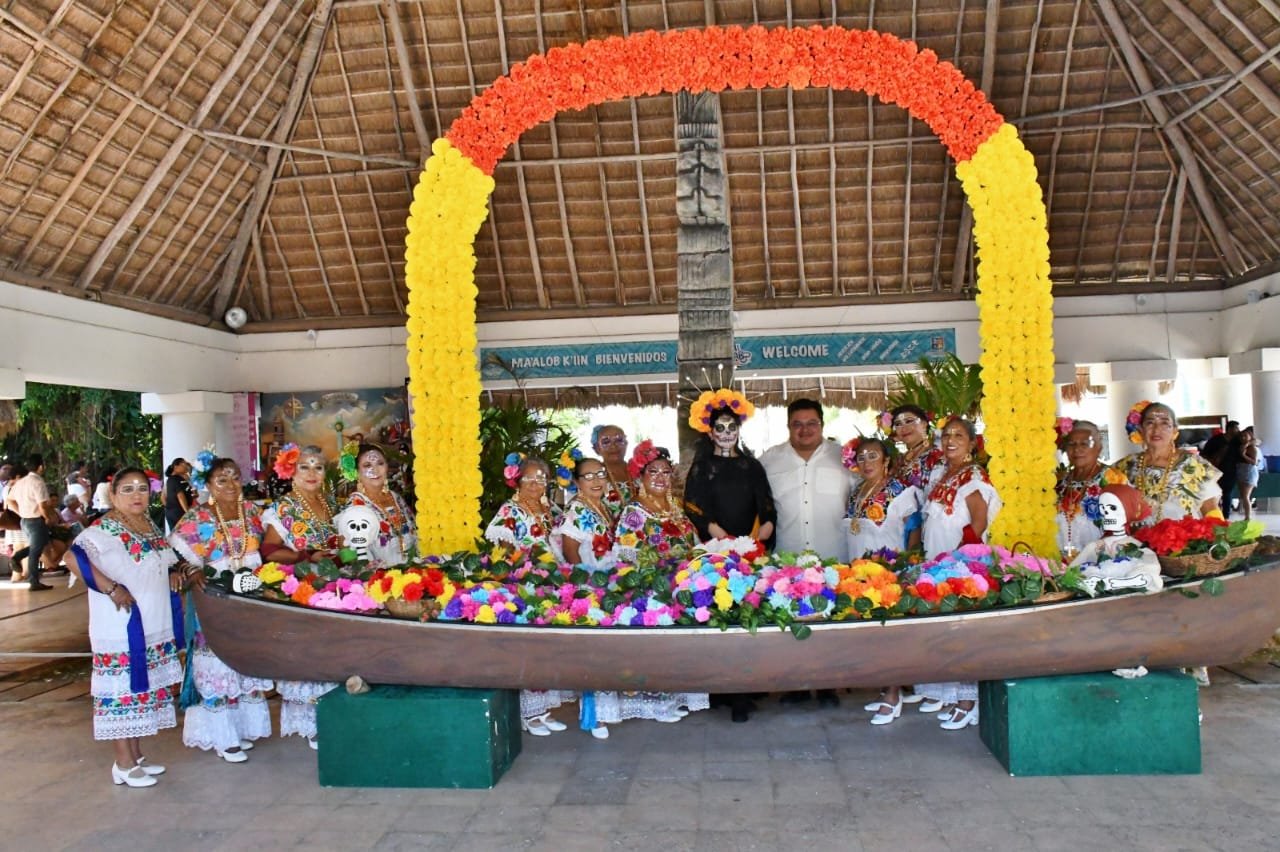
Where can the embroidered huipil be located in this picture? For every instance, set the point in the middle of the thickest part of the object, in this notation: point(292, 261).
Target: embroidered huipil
point(1192, 481)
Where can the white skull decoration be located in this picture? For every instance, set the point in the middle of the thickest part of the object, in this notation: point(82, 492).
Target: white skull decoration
point(358, 526)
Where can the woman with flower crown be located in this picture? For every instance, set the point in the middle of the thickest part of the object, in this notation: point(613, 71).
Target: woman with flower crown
point(223, 535)
point(909, 425)
point(299, 528)
point(654, 520)
point(523, 524)
point(726, 493)
point(366, 465)
point(132, 574)
point(959, 509)
point(1080, 485)
point(1175, 483)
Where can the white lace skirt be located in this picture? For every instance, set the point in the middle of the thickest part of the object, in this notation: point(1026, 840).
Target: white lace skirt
point(614, 707)
point(536, 702)
point(949, 692)
point(298, 706)
point(233, 706)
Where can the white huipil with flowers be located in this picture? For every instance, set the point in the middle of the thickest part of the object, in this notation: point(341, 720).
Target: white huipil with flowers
point(1175, 490)
point(300, 529)
point(397, 532)
point(879, 520)
point(592, 530)
point(233, 707)
point(141, 565)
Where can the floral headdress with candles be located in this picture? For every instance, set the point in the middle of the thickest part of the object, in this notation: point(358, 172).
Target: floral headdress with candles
point(708, 403)
point(286, 461)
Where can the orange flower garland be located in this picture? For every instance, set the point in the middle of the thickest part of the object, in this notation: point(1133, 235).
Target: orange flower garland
point(997, 172)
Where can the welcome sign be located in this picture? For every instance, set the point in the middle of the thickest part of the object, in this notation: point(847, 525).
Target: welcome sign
point(773, 352)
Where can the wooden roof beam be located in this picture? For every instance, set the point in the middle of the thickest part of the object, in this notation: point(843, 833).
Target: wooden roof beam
point(264, 282)
point(1224, 54)
point(1208, 208)
point(337, 202)
point(964, 237)
point(269, 230)
point(1128, 198)
point(640, 190)
point(406, 79)
point(219, 214)
point(308, 58)
point(161, 170)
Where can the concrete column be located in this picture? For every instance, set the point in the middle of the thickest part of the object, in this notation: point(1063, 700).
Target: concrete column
point(13, 384)
point(189, 421)
point(1266, 410)
point(1063, 374)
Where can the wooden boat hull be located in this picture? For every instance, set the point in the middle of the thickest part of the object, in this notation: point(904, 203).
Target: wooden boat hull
point(1167, 629)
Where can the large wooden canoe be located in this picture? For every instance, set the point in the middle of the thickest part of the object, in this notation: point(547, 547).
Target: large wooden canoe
point(1162, 630)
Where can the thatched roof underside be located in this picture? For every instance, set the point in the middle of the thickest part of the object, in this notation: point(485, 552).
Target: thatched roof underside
point(180, 156)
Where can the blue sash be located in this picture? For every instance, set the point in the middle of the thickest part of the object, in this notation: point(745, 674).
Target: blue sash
point(587, 711)
point(138, 679)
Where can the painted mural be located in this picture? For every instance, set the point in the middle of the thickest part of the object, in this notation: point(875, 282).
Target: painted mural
point(329, 419)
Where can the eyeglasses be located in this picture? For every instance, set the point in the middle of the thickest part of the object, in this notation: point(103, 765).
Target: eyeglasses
point(1086, 444)
point(905, 420)
point(539, 478)
point(133, 489)
point(613, 442)
point(869, 455)
point(595, 474)
point(722, 428)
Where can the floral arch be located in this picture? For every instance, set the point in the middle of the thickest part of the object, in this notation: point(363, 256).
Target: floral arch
point(450, 203)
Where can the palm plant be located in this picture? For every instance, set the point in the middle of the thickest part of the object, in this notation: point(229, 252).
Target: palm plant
point(946, 385)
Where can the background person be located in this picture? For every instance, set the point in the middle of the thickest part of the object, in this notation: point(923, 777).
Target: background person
point(179, 494)
point(30, 498)
point(1247, 471)
point(610, 444)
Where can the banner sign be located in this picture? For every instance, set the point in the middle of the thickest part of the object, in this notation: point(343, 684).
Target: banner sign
point(833, 350)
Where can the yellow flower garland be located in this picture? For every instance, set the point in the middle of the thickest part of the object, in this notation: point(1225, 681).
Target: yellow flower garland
point(1015, 306)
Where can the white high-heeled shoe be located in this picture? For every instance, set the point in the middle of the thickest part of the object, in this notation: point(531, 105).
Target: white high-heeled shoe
point(895, 710)
point(535, 727)
point(912, 698)
point(600, 733)
point(237, 756)
point(150, 768)
point(311, 741)
point(873, 706)
point(961, 719)
point(246, 745)
point(931, 705)
point(135, 777)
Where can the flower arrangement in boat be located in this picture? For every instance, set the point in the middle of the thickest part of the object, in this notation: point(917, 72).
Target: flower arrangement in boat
point(315, 588)
point(714, 588)
point(486, 602)
point(801, 586)
point(1190, 536)
point(418, 588)
point(951, 581)
point(872, 588)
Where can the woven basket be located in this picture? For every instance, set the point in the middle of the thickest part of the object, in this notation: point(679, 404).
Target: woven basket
point(410, 610)
point(1204, 564)
point(1054, 597)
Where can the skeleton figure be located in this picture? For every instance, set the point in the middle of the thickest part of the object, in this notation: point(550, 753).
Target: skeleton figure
point(358, 526)
point(1104, 566)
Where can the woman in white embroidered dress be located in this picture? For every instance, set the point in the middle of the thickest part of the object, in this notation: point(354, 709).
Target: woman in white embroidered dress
point(397, 533)
point(224, 535)
point(299, 528)
point(1175, 483)
point(129, 567)
point(959, 509)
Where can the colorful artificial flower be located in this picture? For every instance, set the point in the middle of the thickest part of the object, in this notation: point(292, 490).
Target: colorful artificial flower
point(511, 469)
point(1133, 421)
point(564, 469)
point(643, 455)
point(347, 461)
point(286, 461)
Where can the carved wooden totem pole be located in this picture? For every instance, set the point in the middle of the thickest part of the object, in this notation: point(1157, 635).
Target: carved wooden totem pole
point(704, 276)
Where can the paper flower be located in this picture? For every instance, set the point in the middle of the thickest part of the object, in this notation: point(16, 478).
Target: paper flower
point(709, 402)
point(286, 461)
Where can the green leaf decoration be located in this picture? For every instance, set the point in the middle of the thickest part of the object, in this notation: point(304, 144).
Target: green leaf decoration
point(801, 630)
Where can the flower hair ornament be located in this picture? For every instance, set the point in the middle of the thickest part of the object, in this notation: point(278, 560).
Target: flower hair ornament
point(564, 469)
point(703, 409)
point(511, 470)
point(1133, 422)
point(645, 454)
point(347, 460)
point(200, 466)
point(1063, 427)
point(286, 461)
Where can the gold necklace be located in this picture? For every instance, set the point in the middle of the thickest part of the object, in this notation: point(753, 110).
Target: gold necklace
point(1144, 482)
point(236, 555)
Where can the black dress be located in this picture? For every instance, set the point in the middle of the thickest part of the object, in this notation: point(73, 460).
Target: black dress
point(173, 510)
point(732, 492)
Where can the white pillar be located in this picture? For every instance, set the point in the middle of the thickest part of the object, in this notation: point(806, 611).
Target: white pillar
point(1127, 383)
point(189, 421)
point(1266, 410)
point(13, 384)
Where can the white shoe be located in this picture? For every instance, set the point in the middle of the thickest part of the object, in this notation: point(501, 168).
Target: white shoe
point(946, 713)
point(552, 724)
point(883, 718)
point(873, 706)
point(237, 756)
point(135, 777)
point(246, 745)
point(961, 719)
point(930, 705)
point(150, 768)
point(668, 717)
point(912, 698)
point(311, 741)
point(600, 733)
point(535, 727)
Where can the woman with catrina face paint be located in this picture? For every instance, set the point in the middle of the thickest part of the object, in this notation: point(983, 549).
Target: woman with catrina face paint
point(727, 493)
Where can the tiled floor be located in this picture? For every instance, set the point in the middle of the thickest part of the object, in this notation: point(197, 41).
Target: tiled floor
point(792, 778)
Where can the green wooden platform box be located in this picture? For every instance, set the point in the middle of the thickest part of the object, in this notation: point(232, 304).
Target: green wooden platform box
point(1093, 724)
point(417, 736)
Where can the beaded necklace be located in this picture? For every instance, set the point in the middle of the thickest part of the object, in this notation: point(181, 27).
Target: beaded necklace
point(866, 493)
point(137, 543)
point(1072, 503)
point(235, 551)
point(1166, 482)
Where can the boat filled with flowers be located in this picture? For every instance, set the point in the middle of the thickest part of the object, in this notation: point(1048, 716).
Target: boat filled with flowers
point(723, 618)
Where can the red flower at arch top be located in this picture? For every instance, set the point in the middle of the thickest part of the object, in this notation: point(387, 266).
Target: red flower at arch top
point(576, 76)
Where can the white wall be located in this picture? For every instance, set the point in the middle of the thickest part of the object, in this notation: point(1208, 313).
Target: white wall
point(62, 340)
